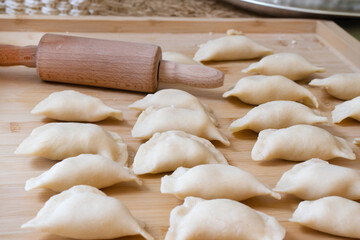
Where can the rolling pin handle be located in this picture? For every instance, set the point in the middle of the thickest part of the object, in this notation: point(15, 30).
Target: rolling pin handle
point(192, 75)
point(13, 55)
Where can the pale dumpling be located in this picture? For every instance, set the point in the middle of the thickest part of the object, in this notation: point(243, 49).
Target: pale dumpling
point(74, 106)
point(233, 47)
point(178, 57)
point(57, 141)
point(348, 109)
point(84, 212)
point(260, 89)
point(299, 143)
point(169, 150)
point(335, 215)
point(316, 178)
point(356, 141)
point(211, 181)
point(290, 65)
point(85, 169)
point(277, 114)
point(172, 97)
point(344, 86)
point(221, 219)
point(164, 119)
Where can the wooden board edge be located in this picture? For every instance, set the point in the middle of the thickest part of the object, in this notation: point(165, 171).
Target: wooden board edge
point(113, 24)
point(340, 40)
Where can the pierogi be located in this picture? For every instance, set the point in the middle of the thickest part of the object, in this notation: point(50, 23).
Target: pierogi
point(74, 106)
point(169, 150)
point(290, 65)
point(84, 212)
point(275, 115)
point(57, 141)
point(260, 89)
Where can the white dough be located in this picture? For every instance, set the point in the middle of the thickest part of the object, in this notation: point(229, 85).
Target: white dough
point(169, 150)
point(178, 57)
point(277, 114)
point(299, 143)
point(261, 89)
point(221, 219)
point(211, 181)
point(58, 141)
point(233, 47)
point(70, 105)
point(335, 215)
point(164, 119)
point(172, 97)
point(85, 169)
point(290, 65)
point(84, 212)
point(316, 178)
point(348, 109)
point(344, 86)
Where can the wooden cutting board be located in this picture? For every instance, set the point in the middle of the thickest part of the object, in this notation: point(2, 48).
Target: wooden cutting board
point(322, 42)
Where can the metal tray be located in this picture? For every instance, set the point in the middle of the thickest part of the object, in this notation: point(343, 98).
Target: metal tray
point(302, 8)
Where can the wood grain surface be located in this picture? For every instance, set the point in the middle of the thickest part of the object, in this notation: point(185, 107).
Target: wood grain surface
point(323, 43)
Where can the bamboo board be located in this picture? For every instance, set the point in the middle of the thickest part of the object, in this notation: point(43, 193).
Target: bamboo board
point(322, 42)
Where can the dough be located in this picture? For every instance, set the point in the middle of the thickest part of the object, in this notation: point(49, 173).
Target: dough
point(233, 47)
point(173, 97)
point(334, 215)
point(277, 114)
point(299, 143)
point(290, 65)
point(356, 141)
point(233, 32)
point(221, 219)
point(261, 89)
point(169, 150)
point(84, 212)
point(58, 141)
point(70, 105)
point(85, 169)
point(316, 178)
point(178, 57)
point(164, 119)
point(344, 86)
point(211, 181)
point(347, 109)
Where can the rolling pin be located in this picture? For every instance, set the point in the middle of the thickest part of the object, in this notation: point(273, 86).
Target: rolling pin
point(106, 63)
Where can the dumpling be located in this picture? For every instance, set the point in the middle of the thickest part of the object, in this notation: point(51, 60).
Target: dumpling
point(335, 215)
point(299, 143)
point(221, 219)
point(164, 119)
point(211, 181)
point(261, 89)
point(169, 150)
point(178, 57)
point(347, 109)
point(277, 114)
point(58, 141)
point(85, 169)
point(356, 141)
point(84, 212)
point(70, 105)
point(344, 86)
point(316, 178)
point(172, 97)
point(290, 65)
point(233, 47)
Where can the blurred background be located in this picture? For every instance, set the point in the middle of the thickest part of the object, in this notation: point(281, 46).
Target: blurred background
point(344, 12)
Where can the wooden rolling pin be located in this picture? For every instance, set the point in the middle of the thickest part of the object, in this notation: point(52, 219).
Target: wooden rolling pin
point(105, 63)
